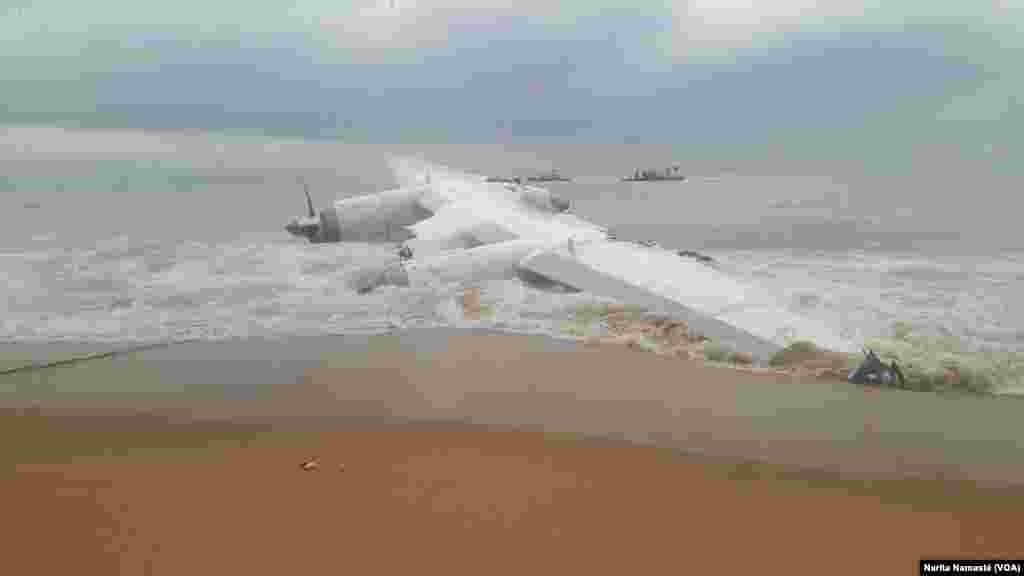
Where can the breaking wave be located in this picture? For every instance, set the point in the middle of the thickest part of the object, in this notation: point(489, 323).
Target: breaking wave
point(262, 285)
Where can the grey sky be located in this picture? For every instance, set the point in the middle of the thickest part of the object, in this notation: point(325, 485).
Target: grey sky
point(818, 77)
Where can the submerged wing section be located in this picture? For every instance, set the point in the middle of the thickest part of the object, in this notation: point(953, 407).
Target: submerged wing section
point(711, 302)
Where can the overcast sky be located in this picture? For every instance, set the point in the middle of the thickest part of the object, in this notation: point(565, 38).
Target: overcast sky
point(882, 79)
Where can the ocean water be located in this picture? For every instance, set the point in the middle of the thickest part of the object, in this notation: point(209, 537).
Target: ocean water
point(132, 236)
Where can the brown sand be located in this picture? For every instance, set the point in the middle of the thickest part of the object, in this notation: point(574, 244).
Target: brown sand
point(468, 503)
point(144, 496)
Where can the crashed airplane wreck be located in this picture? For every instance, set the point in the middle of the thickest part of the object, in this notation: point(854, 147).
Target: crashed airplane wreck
point(453, 226)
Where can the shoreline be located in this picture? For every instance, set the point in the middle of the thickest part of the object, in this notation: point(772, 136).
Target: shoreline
point(551, 385)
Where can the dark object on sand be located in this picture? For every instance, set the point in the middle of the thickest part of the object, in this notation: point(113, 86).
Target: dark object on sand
point(874, 371)
point(32, 205)
point(695, 255)
point(405, 252)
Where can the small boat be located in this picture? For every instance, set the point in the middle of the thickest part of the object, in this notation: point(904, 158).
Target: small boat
point(651, 175)
point(553, 176)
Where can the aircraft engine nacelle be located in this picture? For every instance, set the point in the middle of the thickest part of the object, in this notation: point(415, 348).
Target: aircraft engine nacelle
point(366, 280)
point(381, 217)
point(484, 263)
point(543, 199)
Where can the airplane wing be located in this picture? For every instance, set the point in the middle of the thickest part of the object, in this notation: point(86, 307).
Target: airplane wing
point(521, 237)
point(711, 302)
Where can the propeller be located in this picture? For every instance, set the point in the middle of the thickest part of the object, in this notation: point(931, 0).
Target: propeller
point(309, 226)
point(309, 200)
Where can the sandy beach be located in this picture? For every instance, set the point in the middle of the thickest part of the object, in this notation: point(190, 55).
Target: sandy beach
point(472, 453)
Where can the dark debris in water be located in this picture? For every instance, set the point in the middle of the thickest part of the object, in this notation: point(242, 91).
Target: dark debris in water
point(696, 256)
point(122, 302)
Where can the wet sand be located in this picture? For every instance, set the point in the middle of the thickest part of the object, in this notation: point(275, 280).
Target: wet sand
point(418, 469)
